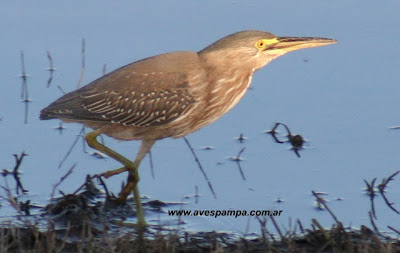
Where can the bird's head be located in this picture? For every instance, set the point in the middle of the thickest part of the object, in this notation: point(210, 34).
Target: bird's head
point(255, 49)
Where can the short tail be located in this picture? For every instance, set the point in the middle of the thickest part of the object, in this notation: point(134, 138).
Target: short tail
point(46, 114)
point(62, 107)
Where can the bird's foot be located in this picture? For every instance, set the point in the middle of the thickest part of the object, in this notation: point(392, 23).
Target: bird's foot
point(111, 173)
point(129, 187)
point(129, 166)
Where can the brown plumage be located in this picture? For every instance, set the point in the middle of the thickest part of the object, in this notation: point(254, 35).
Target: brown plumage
point(171, 95)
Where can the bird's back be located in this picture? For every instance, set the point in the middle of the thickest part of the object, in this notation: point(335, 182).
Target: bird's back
point(161, 75)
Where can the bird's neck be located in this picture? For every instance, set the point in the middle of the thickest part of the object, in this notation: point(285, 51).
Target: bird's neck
point(226, 85)
point(226, 75)
point(229, 88)
point(225, 63)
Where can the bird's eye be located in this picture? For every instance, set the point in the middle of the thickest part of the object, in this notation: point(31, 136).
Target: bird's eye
point(260, 44)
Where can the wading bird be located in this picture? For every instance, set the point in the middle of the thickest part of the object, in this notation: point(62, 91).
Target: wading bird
point(170, 95)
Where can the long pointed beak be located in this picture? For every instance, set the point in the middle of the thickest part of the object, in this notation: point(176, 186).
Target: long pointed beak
point(288, 44)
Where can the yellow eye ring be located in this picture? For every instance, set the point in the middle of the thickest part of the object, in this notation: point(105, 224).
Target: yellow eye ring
point(260, 44)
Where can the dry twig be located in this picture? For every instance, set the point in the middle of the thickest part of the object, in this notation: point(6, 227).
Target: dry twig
point(200, 167)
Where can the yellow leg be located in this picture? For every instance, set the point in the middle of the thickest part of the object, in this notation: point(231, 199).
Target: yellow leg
point(111, 173)
point(131, 167)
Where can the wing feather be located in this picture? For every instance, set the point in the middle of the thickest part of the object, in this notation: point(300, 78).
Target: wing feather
point(146, 100)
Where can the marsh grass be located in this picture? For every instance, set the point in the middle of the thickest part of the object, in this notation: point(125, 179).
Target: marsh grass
point(335, 239)
point(90, 220)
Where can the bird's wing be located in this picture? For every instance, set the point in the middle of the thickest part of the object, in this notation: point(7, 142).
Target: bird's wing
point(143, 100)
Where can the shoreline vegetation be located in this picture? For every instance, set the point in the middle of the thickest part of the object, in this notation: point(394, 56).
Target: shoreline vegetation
point(90, 220)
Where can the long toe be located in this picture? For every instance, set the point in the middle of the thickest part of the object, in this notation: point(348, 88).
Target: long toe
point(111, 173)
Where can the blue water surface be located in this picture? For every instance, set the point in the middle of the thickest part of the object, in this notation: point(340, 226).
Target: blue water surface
point(342, 98)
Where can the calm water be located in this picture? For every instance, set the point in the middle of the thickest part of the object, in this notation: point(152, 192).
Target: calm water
point(342, 98)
